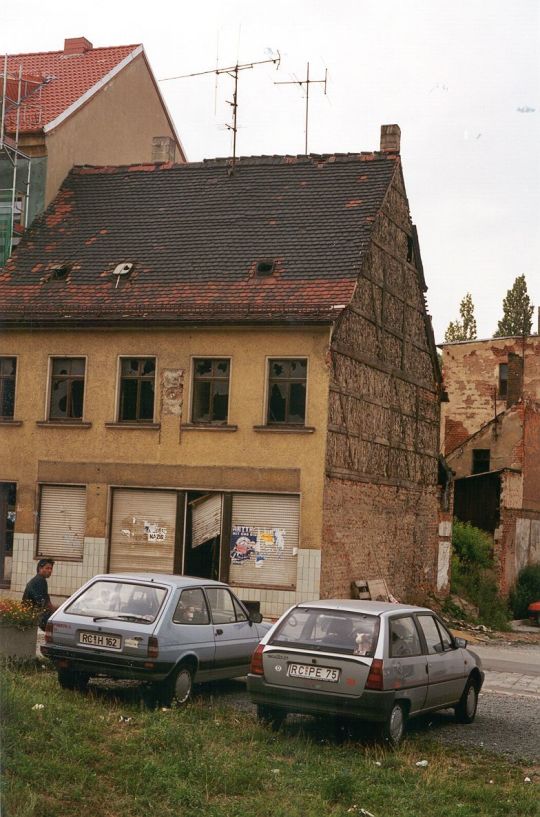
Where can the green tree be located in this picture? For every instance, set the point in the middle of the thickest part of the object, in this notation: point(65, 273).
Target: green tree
point(465, 329)
point(517, 311)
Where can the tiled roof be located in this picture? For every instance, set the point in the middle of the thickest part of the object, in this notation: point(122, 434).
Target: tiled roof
point(195, 235)
point(55, 80)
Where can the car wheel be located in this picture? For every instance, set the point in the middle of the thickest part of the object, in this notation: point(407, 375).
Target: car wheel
point(68, 679)
point(393, 729)
point(183, 685)
point(270, 716)
point(466, 708)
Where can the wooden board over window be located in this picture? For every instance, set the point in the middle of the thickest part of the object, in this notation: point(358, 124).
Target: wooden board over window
point(62, 521)
point(142, 531)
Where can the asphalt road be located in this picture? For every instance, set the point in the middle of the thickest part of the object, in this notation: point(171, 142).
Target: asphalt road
point(520, 659)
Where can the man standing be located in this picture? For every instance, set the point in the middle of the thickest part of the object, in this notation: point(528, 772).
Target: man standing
point(36, 591)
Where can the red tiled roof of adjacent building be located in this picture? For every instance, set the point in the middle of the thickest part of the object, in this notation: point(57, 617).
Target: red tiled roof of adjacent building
point(53, 81)
point(195, 235)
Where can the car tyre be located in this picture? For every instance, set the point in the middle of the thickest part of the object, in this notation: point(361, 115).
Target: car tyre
point(392, 730)
point(468, 703)
point(69, 679)
point(270, 716)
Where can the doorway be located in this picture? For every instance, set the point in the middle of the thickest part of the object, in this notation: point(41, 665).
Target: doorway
point(8, 511)
point(202, 544)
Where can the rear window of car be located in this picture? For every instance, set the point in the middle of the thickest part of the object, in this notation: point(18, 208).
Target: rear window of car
point(328, 631)
point(119, 600)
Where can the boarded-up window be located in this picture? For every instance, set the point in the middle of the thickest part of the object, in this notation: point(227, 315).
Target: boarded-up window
point(62, 521)
point(264, 540)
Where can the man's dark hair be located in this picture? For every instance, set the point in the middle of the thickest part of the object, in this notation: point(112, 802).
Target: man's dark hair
point(43, 562)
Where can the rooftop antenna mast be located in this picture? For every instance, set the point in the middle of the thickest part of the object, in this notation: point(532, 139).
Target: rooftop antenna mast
point(307, 82)
point(233, 71)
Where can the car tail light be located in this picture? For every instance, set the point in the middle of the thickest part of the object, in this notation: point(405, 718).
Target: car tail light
point(375, 677)
point(153, 647)
point(257, 661)
point(49, 632)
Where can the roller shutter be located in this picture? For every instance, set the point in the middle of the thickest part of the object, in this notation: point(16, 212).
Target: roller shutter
point(142, 531)
point(62, 521)
point(205, 519)
point(264, 541)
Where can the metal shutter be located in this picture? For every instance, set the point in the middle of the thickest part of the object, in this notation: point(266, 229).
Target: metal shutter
point(205, 518)
point(265, 514)
point(142, 531)
point(62, 521)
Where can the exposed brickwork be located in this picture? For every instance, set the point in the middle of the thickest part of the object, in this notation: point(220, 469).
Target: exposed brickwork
point(379, 531)
point(471, 379)
point(508, 558)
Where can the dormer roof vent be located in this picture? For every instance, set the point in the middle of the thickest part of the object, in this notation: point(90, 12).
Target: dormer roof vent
point(59, 273)
point(265, 268)
point(121, 270)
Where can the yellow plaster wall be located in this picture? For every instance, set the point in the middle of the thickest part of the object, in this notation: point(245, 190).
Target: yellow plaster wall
point(115, 127)
point(69, 452)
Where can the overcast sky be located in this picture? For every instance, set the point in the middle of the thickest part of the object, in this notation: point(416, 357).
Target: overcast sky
point(453, 75)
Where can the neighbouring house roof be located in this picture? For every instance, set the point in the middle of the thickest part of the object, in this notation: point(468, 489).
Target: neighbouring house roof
point(54, 83)
point(195, 234)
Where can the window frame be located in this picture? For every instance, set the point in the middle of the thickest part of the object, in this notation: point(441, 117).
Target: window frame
point(212, 379)
point(475, 460)
point(137, 421)
point(287, 423)
point(8, 417)
point(69, 378)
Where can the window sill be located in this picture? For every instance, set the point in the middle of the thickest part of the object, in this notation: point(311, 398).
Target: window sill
point(286, 429)
point(208, 427)
point(135, 426)
point(5, 421)
point(63, 424)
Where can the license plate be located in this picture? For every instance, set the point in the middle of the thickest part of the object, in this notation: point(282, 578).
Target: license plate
point(110, 642)
point(316, 673)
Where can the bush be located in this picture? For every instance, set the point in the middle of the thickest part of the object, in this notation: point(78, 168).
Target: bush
point(525, 590)
point(472, 574)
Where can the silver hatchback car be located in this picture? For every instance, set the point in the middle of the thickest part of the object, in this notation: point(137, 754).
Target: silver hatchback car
point(170, 631)
point(367, 660)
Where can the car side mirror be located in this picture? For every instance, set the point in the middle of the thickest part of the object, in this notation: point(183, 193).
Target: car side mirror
point(460, 642)
point(255, 617)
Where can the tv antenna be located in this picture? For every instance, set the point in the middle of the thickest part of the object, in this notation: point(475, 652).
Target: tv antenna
point(233, 71)
point(307, 82)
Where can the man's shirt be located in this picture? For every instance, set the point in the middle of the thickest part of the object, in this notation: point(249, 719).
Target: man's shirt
point(37, 591)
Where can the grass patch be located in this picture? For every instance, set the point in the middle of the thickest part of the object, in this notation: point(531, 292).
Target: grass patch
point(107, 756)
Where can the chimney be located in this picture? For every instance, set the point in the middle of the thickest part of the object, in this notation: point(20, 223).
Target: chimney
point(77, 45)
point(390, 138)
point(163, 149)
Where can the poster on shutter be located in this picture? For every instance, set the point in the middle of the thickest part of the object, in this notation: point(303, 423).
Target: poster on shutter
point(154, 532)
point(243, 543)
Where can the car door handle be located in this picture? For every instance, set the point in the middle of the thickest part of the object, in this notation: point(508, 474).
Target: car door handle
point(219, 632)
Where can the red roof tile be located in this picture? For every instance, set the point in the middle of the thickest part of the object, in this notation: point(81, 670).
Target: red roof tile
point(55, 80)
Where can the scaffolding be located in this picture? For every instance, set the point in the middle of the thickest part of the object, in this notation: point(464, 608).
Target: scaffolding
point(16, 88)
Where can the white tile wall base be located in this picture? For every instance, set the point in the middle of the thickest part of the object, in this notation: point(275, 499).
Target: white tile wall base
point(67, 576)
point(308, 577)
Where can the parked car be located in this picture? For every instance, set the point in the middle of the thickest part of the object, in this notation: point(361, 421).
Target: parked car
point(372, 661)
point(169, 631)
point(533, 612)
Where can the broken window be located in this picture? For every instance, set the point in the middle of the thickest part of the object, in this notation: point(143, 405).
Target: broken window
point(503, 379)
point(8, 370)
point(210, 402)
point(67, 388)
point(480, 463)
point(287, 391)
point(137, 388)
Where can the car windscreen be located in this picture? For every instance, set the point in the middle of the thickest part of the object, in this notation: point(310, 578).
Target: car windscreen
point(329, 631)
point(124, 601)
